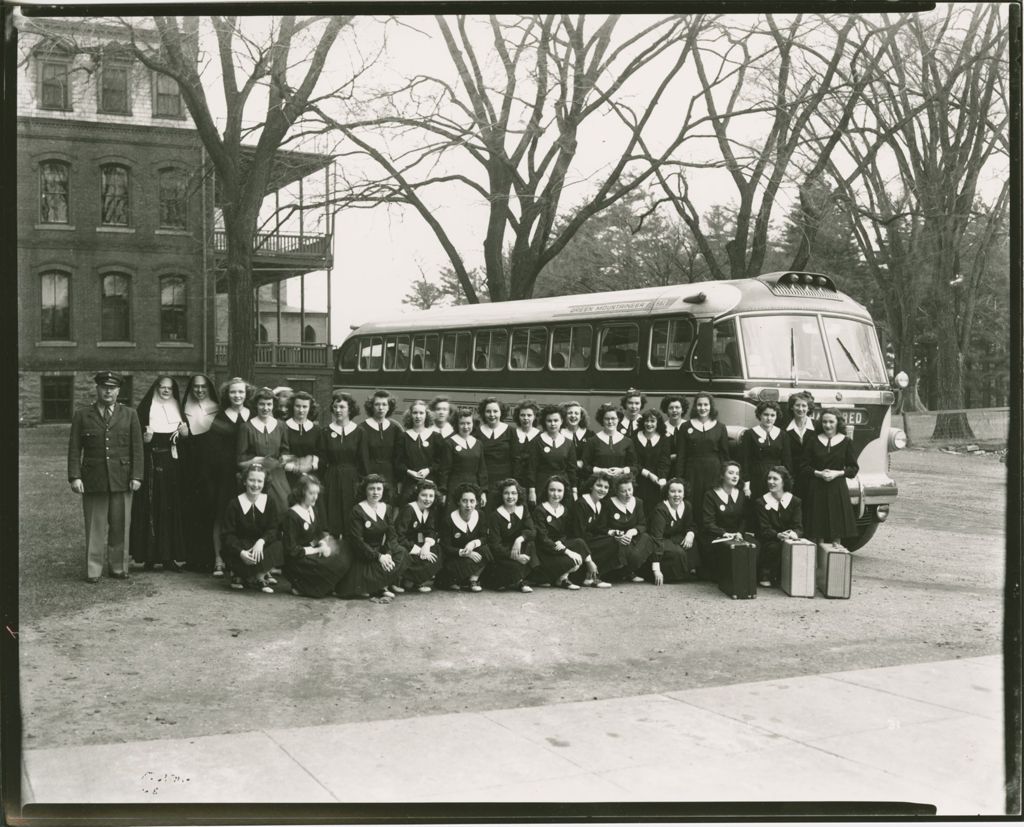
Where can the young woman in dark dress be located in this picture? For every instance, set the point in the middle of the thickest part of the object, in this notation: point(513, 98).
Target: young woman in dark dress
point(673, 530)
point(761, 448)
point(314, 561)
point(627, 522)
point(576, 428)
point(559, 554)
point(608, 451)
point(441, 410)
point(200, 476)
point(829, 461)
point(157, 520)
point(524, 415)
point(379, 444)
point(463, 533)
point(264, 439)
point(779, 518)
point(464, 460)
point(282, 402)
point(305, 439)
point(222, 447)
point(724, 517)
point(378, 558)
point(631, 404)
point(251, 539)
point(510, 538)
point(674, 408)
point(416, 530)
point(702, 448)
point(551, 454)
point(499, 444)
point(653, 450)
point(591, 526)
point(420, 450)
point(800, 431)
point(340, 471)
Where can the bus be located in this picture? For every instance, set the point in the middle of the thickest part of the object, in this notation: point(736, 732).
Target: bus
point(744, 341)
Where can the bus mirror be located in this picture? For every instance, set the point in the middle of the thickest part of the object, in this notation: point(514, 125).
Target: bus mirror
point(701, 364)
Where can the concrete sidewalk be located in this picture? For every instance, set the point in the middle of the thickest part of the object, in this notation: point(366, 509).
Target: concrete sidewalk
point(927, 733)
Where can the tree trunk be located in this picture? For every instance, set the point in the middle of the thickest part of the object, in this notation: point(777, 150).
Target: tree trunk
point(241, 306)
point(950, 376)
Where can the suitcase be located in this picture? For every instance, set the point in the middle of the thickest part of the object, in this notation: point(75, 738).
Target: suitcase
point(834, 570)
point(798, 568)
point(737, 568)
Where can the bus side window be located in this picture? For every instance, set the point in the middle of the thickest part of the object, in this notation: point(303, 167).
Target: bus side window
point(371, 352)
point(620, 344)
point(670, 342)
point(491, 350)
point(396, 353)
point(455, 351)
point(349, 355)
point(424, 351)
point(726, 351)
point(529, 348)
point(570, 347)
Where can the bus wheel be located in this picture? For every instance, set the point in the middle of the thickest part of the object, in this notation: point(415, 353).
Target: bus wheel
point(864, 533)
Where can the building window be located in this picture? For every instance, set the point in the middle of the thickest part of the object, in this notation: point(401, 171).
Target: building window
point(167, 101)
point(173, 199)
point(309, 337)
point(53, 192)
point(115, 76)
point(115, 206)
point(54, 82)
point(114, 309)
point(57, 397)
point(56, 307)
point(173, 327)
point(263, 334)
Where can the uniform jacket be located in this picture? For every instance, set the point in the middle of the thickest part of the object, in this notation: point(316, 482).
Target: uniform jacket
point(106, 457)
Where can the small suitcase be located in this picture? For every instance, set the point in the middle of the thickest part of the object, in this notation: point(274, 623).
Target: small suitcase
point(798, 568)
point(737, 568)
point(834, 570)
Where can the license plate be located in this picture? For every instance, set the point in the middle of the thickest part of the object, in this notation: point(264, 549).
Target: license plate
point(852, 416)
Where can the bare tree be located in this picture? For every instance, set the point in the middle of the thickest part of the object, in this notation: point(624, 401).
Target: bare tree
point(504, 130)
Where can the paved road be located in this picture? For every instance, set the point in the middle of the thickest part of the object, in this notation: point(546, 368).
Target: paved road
point(178, 655)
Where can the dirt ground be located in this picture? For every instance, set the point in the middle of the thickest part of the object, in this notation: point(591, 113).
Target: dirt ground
point(180, 655)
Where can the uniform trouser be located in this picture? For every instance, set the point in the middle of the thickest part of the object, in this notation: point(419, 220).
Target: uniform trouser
point(108, 520)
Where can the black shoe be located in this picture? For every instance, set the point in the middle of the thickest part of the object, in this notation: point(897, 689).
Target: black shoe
point(120, 575)
point(92, 580)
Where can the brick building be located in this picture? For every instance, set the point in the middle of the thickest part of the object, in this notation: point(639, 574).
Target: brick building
point(118, 240)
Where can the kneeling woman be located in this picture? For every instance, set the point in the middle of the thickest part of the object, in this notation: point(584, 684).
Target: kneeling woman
point(510, 538)
point(724, 517)
point(672, 528)
point(463, 534)
point(779, 518)
point(558, 552)
point(378, 559)
point(250, 540)
point(627, 524)
point(591, 523)
point(314, 561)
point(416, 530)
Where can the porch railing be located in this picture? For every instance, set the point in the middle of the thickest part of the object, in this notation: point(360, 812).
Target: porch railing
point(283, 354)
point(278, 244)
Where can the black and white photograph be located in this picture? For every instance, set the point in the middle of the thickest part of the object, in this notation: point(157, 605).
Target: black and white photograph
point(577, 408)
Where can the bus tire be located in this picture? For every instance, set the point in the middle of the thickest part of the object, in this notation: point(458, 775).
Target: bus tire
point(864, 534)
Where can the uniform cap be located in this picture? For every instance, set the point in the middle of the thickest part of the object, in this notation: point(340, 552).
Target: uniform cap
point(109, 378)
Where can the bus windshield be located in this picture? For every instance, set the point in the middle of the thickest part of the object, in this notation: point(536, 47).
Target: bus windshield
point(854, 350)
point(784, 347)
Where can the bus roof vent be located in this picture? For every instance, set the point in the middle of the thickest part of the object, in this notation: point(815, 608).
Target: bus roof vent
point(802, 285)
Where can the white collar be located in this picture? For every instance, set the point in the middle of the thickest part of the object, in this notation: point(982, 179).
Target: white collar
point(554, 511)
point(246, 503)
point(835, 440)
point(464, 442)
point(555, 442)
point(305, 426)
point(672, 512)
point(518, 511)
point(761, 432)
point(526, 436)
point(345, 429)
point(422, 436)
point(609, 439)
point(374, 425)
point(707, 426)
point(420, 515)
point(671, 429)
point(466, 527)
point(267, 427)
point(305, 513)
point(495, 432)
point(233, 415)
point(594, 504)
point(374, 511)
point(792, 426)
point(577, 435)
point(735, 495)
point(446, 429)
point(772, 504)
point(653, 440)
point(629, 506)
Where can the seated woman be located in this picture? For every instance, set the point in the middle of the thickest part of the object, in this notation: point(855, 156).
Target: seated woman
point(305, 440)
point(653, 452)
point(550, 454)
point(416, 530)
point(779, 518)
point(314, 561)
point(591, 526)
point(627, 524)
point(672, 528)
point(378, 558)
point(250, 540)
point(510, 539)
point(725, 515)
point(559, 554)
point(420, 450)
point(463, 532)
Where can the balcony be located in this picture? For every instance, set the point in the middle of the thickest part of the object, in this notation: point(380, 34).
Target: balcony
point(283, 355)
point(278, 256)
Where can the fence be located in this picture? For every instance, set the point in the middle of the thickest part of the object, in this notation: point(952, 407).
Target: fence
point(986, 423)
point(274, 354)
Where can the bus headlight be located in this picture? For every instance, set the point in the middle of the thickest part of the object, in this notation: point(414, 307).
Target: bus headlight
point(901, 379)
point(897, 440)
point(882, 513)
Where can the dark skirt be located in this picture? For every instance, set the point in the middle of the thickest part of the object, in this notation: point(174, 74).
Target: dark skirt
point(339, 497)
point(419, 572)
point(157, 533)
point(607, 553)
point(830, 514)
point(458, 570)
point(318, 576)
point(200, 491)
point(703, 473)
point(273, 557)
point(676, 562)
point(551, 567)
point(504, 572)
point(366, 576)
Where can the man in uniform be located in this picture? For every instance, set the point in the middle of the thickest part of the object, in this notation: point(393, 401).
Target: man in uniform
point(105, 466)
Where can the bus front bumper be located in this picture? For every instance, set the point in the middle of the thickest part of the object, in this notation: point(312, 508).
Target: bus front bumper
point(867, 492)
